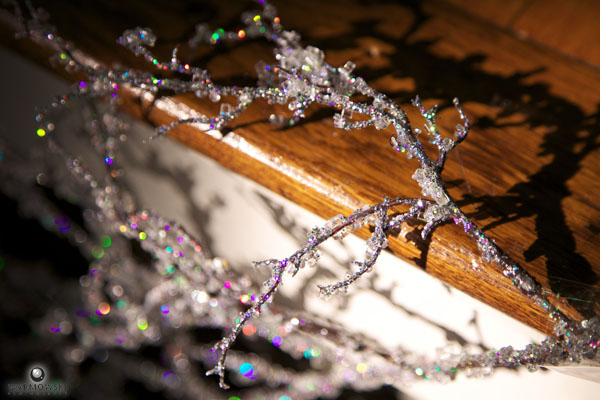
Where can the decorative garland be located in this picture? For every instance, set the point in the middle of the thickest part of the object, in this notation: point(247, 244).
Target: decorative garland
point(193, 289)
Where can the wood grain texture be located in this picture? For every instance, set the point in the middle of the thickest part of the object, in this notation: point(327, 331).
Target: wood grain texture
point(501, 13)
point(569, 26)
point(528, 174)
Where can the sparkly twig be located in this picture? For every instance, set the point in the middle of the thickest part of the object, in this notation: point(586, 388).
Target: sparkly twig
point(299, 78)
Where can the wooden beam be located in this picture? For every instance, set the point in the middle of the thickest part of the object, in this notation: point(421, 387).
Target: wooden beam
point(528, 174)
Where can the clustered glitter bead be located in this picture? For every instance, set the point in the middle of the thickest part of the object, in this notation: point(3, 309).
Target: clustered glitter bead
point(128, 304)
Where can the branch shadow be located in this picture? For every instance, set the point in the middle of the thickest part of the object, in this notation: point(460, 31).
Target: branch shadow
point(572, 136)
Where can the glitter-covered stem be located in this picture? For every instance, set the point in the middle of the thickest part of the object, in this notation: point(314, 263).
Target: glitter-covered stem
point(299, 78)
point(308, 255)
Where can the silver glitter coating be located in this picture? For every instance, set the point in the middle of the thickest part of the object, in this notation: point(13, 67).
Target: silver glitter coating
point(191, 281)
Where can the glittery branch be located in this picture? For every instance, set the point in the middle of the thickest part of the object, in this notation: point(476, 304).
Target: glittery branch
point(375, 244)
point(337, 227)
point(299, 78)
